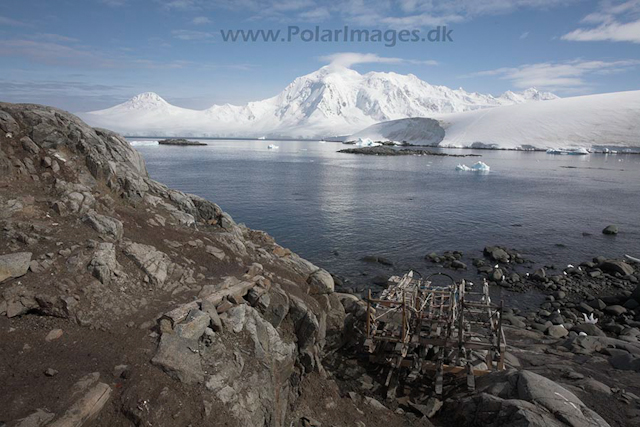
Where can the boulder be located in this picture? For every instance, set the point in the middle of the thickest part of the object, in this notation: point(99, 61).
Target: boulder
point(216, 252)
point(496, 275)
point(613, 267)
point(152, 261)
point(540, 275)
point(193, 327)
point(610, 230)
point(497, 254)
point(278, 306)
point(561, 406)
point(590, 329)
point(105, 226)
point(103, 264)
point(320, 282)
point(458, 265)
point(557, 331)
point(615, 310)
point(14, 265)
point(177, 357)
point(210, 308)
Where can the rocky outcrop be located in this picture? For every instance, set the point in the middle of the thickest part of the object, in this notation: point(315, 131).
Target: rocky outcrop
point(232, 316)
point(523, 398)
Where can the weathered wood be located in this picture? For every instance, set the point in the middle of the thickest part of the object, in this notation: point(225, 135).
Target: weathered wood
point(423, 320)
point(85, 408)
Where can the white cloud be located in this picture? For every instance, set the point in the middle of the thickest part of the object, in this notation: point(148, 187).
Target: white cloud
point(398, 13)
point(617, 22)
point(315, 15)
point(524, 35)
point(348, 59)
point(558, 76)
point(191, 35)
point(4, 21)
point(201, 20)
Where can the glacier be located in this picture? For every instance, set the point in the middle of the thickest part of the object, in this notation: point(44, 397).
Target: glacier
point(604, 122)
point(329, 102)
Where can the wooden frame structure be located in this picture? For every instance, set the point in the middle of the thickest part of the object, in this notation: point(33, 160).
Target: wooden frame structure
point(419, 325)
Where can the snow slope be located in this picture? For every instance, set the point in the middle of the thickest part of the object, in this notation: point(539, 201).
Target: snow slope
point(416, 130)
point(595, 121)
point(330, 101)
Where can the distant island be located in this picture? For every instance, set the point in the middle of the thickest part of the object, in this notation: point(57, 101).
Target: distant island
point(388, 151)
point(180, 141)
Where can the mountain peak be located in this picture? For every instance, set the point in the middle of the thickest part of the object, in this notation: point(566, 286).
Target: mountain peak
point(146, 101)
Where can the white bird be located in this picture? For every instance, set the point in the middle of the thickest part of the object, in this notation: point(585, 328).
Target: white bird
point(590, 319)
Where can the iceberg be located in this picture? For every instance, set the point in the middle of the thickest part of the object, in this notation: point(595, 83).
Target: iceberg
point(477, 167)
point(366, 142)
point(272, 147)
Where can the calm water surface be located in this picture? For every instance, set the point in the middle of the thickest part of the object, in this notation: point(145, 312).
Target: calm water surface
point(319, 202)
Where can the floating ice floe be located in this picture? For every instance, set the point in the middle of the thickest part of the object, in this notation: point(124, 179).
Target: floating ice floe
point(272, 147)
point(477, 167)
point(366, 142)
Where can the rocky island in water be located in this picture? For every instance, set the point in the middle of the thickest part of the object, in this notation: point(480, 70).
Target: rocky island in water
point(180, 141)
point(125, 302)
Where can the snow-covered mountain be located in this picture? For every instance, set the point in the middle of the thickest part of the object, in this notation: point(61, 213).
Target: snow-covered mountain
point(330, 101)
point(610, 120)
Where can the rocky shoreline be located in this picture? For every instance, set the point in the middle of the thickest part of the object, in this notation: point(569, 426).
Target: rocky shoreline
point(180, 142)
point(124, 302)
point(389, 151)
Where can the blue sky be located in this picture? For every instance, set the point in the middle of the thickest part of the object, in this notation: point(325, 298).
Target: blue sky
point(83, 55)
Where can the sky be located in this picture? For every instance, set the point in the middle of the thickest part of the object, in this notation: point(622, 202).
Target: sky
point(84, 55)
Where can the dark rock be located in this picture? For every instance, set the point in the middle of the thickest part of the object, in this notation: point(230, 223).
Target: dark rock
point(458, 265)
point(615, 310)
point(610, 230)
point(540, 275)
point(612, 267)
point(380, 280)
point(377, 259)
point(557, 331)
point(180, 141)
point(496, 253)
point(598, 304)
point(50, 372)
point(496, 275)
point(590, 329)
point(583, 307)
point(623, 360)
